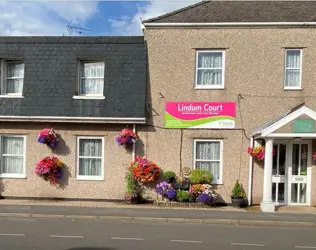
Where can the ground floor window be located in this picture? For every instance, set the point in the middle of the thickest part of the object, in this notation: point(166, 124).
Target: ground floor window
point(12, 161)
point(90, 158)
point(208, 155)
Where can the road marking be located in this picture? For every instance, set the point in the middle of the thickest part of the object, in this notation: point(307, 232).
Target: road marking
point(306, 247)
point(246, 244)
point(186, 241)
point(66, 236)
point(118, 238)
point(12, 234)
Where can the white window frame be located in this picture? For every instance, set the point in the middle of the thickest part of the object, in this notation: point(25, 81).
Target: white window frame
point(4, 78)
point(88, 177)
point(300, 68)
point(80, 68)
point(220, 181)
point(11, 175)
point(222, 86)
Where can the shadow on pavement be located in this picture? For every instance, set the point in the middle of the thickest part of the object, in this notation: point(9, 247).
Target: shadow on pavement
point(91, 248)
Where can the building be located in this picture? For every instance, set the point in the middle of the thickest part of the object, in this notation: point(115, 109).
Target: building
point(87, 89)
point(247, 69)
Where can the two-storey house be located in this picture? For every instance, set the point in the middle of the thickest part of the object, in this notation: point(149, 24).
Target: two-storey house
point(87, 89)
point(228, 75)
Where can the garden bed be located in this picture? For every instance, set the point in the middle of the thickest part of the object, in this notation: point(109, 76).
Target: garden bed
point(174, 204)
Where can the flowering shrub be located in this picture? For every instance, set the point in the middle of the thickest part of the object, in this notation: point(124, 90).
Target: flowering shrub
point(50, 168)
point(172, 194)
point(49, 137)
point(126, 137)
point(257, 152)
point(162, 188)
point(198, 189)
point(144, 171)
point(205, 198)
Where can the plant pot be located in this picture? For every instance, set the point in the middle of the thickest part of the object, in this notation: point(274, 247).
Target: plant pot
point(237, 201)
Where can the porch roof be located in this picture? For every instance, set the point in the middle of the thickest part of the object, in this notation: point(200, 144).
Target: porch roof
point(283, 119)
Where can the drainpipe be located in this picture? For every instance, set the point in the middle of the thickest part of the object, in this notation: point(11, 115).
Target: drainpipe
point(250, 174)
point(134, 144)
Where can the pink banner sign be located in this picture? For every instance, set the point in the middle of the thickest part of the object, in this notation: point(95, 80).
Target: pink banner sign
point(200, 114)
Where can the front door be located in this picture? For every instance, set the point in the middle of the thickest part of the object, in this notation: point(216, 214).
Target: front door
point(299, 173)
point(291, 173)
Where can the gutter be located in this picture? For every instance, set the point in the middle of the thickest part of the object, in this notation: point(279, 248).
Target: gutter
point(230, 24)
point(70, 119)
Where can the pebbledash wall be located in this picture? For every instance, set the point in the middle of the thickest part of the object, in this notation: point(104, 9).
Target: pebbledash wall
point(50, 99)
point(254, 79)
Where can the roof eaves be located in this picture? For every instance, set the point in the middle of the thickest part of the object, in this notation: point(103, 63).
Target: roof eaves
point(151, 20)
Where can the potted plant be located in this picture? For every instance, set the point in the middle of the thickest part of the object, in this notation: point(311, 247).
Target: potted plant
point(238, 195)
point(169, 176)
point(200, 177)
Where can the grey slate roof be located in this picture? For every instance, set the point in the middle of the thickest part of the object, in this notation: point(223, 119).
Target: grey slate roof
point(241, 11)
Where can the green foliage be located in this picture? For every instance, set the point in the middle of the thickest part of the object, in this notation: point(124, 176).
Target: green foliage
point(183, 196)
point(131, 183)
point(200, 177)
point(238, 190)
point(169, 176)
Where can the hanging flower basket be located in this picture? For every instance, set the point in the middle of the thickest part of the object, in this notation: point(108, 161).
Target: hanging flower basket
point(144, 171)
point(49, 137)
point(126, 137)
point(50, 169)
point(314, 156)
point(257, 152)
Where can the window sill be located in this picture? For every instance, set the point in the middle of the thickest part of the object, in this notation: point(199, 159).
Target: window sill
point(11, 96)
point(5, 176)
point(209, 88)
point(89, 178)
point(88, 97)
point(293, 89)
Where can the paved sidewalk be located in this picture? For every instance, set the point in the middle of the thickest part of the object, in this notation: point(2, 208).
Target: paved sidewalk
point(211, 216)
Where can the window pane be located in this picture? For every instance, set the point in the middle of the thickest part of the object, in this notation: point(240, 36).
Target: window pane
point(294, 192)
point(293, 58)
point(12, 145)
point(90, 167)
point(282, 158)
point(304, 154)
point(213, 167)
point(15, 69)
point(209, 77)
point(292, 78)
point(281, 192)
point(14, 86)
point(12, 165)
point(302, 193)
point(208, 150)
point(210, 59)
point(295, 159)
point(90, 147)
point(275, 160)
point(92, 86)
point(93, 69)
point(274, 185)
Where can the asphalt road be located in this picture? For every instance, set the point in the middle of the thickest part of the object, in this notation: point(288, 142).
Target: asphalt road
point(54, 234)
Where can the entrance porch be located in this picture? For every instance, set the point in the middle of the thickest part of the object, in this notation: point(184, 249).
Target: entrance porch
point(288, 159)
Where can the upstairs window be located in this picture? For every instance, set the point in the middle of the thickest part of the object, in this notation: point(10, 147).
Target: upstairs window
point(210, 71)
point(293, 69)
point(91, 78)
point(12, 77)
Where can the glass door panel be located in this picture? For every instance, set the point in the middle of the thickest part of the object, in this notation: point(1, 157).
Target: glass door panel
point(278, 173)
point(298, 180)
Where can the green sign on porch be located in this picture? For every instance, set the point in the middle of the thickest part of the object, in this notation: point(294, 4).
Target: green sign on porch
point(303, 126)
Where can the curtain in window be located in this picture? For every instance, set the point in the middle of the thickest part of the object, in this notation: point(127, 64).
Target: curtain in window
point(14, 77)
point(293, 64)
point(208, 157)
point(210, 68)
point(12, 155)
point(90, 157)
point(92, 80)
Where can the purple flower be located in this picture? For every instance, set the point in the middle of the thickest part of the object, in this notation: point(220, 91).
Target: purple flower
point(41, 139)
point(172, 194)
point(162, 188)
point(205, 198)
